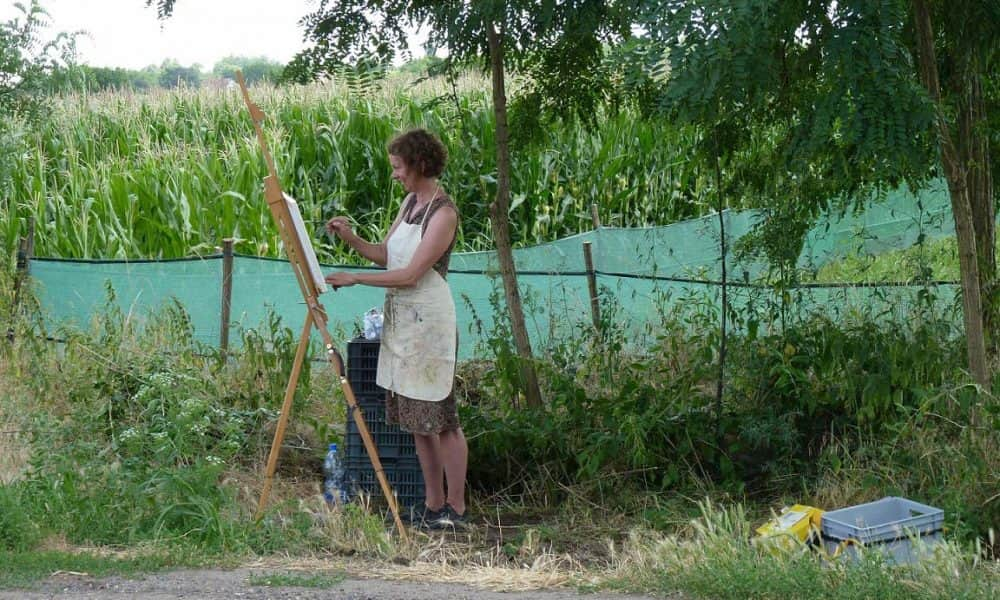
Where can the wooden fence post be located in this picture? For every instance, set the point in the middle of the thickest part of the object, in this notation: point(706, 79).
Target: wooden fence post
point(227, 293)
point(595, 305)
point(596, 218)
point(25, 249)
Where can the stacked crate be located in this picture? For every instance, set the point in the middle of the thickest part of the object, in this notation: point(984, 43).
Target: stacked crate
point(395, 447)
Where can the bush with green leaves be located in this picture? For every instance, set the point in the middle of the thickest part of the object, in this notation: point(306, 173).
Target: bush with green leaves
point(800, 404)
point(18, 532)
point(602, 396)
point(125, 467)
point(138, 439)
point(820, 378)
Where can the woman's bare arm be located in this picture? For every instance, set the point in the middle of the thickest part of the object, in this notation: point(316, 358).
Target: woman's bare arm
point(439, 235)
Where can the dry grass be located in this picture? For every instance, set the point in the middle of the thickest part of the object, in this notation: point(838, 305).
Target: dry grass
point(496, 553)
point(508, 548)
point(441, 559)
point(14, 439)
point(14, 451)
point(642, 560)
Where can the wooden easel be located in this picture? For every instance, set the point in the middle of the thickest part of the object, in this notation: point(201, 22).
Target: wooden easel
point(315, 316)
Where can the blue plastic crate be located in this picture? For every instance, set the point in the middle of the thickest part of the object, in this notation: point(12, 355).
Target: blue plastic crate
point(890, 525)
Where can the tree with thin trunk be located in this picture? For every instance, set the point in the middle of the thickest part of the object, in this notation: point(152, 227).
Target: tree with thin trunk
point(856, 97)
point(27, 66)
point(558, 45)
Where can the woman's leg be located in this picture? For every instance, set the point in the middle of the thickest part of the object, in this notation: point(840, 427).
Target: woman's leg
point(429, 452)
point(454, 457)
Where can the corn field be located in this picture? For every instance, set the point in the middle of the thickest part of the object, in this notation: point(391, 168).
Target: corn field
point(171, 174)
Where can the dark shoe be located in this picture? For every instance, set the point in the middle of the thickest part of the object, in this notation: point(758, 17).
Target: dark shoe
point(412, 515)
point(448, 518)
point(422, 517)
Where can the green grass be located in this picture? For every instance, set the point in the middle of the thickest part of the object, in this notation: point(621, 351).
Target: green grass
point(746, 576)
point(933, 260)
point(717, 561)
point(22, 569)
point(296, 580)
point(123, 421)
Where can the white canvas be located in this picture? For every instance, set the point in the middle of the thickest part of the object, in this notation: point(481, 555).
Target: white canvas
point(307, 248)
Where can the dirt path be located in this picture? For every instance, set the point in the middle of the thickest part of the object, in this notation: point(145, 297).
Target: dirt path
point(218, 584)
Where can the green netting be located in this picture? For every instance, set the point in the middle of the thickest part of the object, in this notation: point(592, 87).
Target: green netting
point(897, 222)
point(642, 272)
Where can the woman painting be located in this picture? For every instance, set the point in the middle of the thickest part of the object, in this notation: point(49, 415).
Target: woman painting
point(417, 354)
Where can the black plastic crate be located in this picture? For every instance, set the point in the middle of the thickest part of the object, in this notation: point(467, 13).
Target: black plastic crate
point(405, 479)
point(362, 368)
point(395, 447)
point(392, 443)
point(367, 390)
point(363, 463)
point(363, 352)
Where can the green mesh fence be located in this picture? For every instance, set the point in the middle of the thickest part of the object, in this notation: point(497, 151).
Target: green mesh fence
point(641, 273)
point(897, 222)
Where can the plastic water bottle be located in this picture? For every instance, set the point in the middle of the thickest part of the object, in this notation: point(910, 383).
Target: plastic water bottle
point(334, 489)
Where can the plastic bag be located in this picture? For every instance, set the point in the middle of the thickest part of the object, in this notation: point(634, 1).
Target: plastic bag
point(372, 324)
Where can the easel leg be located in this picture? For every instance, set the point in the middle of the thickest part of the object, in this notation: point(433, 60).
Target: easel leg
point(366, 437)
point(286, 407)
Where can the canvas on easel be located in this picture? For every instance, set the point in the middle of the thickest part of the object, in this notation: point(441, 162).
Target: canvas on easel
point(309, 276)
point(307, 249)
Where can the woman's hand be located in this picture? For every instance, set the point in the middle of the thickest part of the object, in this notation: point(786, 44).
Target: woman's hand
point(340, 279)
point(340, 227)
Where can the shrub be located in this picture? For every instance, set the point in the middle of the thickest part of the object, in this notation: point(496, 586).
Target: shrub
point(17, 531)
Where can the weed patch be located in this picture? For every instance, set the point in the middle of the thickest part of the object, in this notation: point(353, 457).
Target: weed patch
point(716, 560)
point(23, 569)
point(295, 580)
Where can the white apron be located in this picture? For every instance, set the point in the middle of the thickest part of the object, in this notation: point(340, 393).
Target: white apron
point(417, 354)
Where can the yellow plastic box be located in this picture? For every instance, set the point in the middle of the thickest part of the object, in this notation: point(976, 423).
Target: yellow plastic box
point(794, 527)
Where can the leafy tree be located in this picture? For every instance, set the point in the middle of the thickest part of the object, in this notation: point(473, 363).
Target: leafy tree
point(254, 69)
point(173, 75)
point(558, 44)
point(103, 78)
point(26, 63)
point(422, 65)
point(844, 98)
point(26, 67)
point(86, 77)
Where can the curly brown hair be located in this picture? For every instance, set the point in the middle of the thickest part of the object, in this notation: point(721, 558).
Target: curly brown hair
point(420, 150)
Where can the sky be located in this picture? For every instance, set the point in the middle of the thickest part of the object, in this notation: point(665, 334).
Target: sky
point(125, 33)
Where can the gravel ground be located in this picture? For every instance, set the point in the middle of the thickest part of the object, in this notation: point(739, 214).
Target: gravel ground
point(218, 584)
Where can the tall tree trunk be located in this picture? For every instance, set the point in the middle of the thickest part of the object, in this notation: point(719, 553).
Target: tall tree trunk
point(961, 207)
point(974, 151)
point(724, 251)
point(501, 225)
